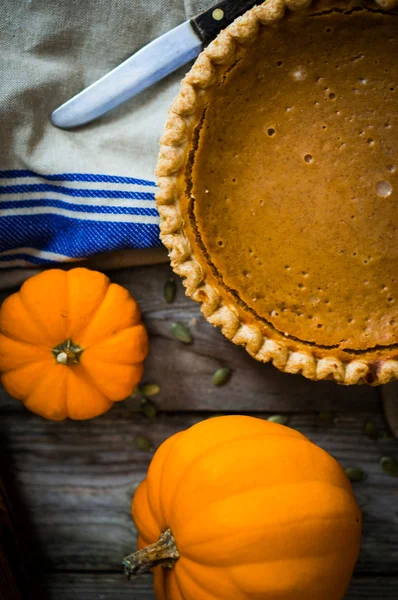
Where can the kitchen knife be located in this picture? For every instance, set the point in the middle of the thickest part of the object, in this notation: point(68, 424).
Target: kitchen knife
point(149, 65)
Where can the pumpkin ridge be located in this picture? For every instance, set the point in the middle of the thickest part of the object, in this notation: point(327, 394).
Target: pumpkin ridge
point(176, 571)
point(105, 336)
point(44, 383)
point(105, 339)
point(159, 584)
point(38, 316)
point(268, 527)
point(271, 527)
point(268, 486)
point(162, 480)
point(201, 584)
point(21, 343)
point(199, 457)
point(15, 339)
point(4, 376)
point(297, 560)
point(82, 332)
point(108, 337)
point(6, 371)
point(139, 518)
point(80, 373)
point(145, 539)
point(171, 589)
point(64, 395)
point(219, 445)
point(287, 593)
point(92, 382)
point(157, 515)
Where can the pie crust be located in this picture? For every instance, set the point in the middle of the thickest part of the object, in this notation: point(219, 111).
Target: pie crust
point(377, 365)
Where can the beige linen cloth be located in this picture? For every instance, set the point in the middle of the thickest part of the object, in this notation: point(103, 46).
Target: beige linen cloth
point(49, 51)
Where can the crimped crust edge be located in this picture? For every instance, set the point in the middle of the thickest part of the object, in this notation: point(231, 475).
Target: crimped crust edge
point(174, 150)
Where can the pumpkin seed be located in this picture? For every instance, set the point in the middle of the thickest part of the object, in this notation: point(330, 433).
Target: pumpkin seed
point(170, 290)
point(181, 333)
point(326, 418)
point(387, 436)
point(148, 408)
point(371, 429)
point(222, 376)
point(355, 474)
point(280, 419)
point(143, 443)
point(150, 389)
point(389, 466)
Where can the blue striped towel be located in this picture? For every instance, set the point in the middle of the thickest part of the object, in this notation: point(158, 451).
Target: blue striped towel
point(54, 218)
point(67, 195)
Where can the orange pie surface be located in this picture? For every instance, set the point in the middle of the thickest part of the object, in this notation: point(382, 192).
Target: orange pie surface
point(292, 185)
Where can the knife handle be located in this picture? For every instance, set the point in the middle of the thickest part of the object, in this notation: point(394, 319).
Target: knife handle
point(209, 23)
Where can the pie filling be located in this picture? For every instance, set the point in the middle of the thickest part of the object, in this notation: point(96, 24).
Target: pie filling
point(293, 180)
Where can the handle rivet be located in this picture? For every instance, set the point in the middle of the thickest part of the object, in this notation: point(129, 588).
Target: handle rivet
point(218, 14)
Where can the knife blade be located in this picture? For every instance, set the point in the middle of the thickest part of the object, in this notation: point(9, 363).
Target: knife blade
point(148, 66)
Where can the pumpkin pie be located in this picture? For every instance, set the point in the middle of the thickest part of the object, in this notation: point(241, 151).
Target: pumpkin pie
point(278, 186)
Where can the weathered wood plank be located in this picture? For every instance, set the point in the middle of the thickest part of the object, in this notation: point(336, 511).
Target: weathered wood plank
point(77, 480)
point(389, 395)
point(185, 372)
point(67, 586)
point(70, 586)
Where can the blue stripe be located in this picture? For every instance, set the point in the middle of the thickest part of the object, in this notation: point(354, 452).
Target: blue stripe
point(112, 210)
point(75, 193)
point(89, 177)
point(66, 236)
point(72, 237)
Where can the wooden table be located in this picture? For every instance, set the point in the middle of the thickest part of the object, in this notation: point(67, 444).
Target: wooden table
point(76, 480)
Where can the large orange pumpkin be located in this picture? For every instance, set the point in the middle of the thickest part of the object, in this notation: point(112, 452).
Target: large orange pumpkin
point(71, 344)
point(239, 508)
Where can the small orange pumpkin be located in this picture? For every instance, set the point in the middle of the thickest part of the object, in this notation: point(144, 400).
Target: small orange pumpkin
point(237, 508)
point(71, 344)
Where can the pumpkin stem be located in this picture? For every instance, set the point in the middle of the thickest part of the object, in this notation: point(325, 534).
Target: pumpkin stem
point(164, 552)
point(67, 353)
